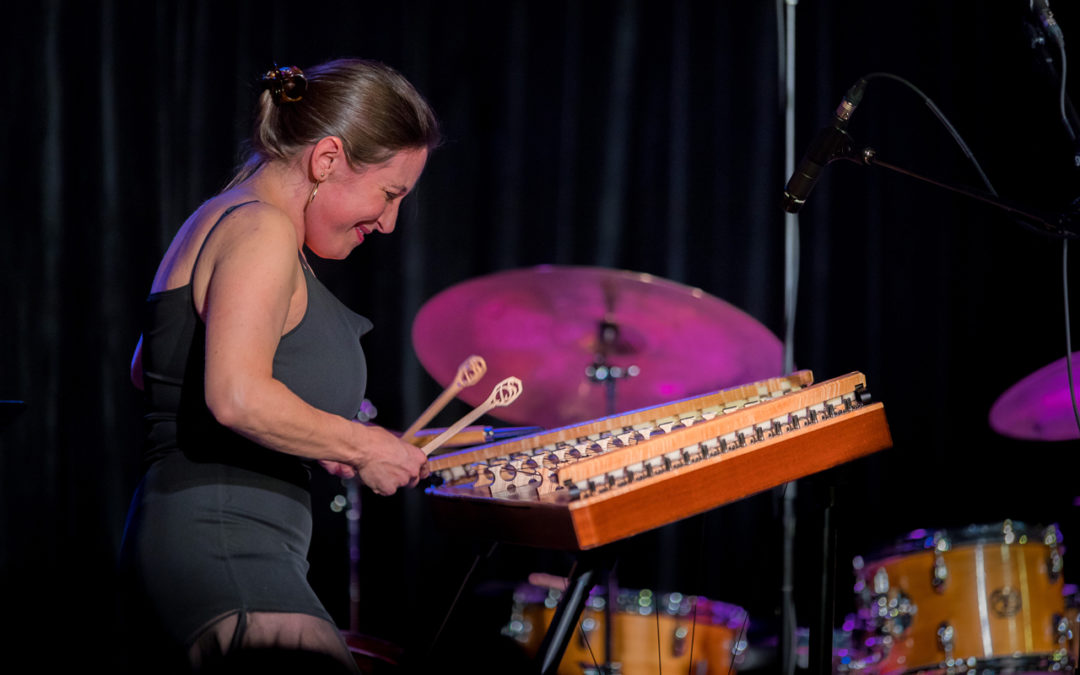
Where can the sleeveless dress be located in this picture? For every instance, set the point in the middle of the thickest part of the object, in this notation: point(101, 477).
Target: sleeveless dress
point(218, 524)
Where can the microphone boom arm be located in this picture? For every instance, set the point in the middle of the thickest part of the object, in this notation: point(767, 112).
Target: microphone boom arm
point(1058, 226)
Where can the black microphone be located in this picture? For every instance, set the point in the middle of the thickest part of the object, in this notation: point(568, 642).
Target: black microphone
point(1041, 8)
point(825, 147)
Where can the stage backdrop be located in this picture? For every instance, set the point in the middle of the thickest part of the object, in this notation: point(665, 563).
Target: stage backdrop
point(634, 135)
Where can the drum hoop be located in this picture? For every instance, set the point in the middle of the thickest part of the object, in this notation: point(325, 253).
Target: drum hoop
point(923, 540)
point(708, 612)
point(696, 608)
point(1027, 662)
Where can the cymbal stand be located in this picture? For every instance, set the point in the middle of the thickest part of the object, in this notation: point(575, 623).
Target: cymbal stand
point(609, 623)
point(788, 492)
point(599, 371)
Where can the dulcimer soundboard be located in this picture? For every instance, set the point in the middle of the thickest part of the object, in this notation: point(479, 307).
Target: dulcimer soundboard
point(590, 484)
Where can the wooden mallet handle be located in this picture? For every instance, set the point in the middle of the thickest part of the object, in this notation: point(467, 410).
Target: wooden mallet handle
point(504, 393)
point(469, 373)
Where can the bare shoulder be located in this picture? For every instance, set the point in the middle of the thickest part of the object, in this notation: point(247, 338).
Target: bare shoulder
point(241, 221)
point(219, 225)
point(253, 246)
point(245, 233)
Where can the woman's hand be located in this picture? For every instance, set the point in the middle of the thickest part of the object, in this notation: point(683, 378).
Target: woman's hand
point(338, 469)
point(388, 463)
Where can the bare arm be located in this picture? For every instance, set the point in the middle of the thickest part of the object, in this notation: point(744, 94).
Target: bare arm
point(253, 272)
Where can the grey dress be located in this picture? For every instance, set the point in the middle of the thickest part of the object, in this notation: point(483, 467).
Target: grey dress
point(220, 525)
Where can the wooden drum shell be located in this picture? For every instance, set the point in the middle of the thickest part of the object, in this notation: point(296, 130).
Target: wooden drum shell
point(637, 645)
point(1001, 601)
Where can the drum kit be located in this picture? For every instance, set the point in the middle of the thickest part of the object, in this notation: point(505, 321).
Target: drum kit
point(649, 631)
point(986, 598)
point(588, 342)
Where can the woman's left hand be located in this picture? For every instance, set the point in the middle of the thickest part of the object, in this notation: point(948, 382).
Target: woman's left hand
point(339, 469)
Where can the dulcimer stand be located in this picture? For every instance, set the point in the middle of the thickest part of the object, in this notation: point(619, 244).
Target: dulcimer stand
point(591, 567)
point(596, 565)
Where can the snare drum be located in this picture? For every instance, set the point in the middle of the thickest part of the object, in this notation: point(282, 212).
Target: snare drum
point(988, 597)
point(695, 634)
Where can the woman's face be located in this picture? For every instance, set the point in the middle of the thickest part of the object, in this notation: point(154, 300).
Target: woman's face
point(352, 204)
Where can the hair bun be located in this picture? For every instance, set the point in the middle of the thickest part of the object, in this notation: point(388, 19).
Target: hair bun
point(286, 84)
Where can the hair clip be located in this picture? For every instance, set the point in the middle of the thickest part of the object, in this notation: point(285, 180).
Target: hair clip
point(286, 84)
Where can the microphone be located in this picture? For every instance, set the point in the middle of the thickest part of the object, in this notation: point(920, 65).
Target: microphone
point(825, 147)
point(1041, 8)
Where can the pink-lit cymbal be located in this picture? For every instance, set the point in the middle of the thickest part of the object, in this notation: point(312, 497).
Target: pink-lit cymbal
point(1038, 407)
point(544, 325)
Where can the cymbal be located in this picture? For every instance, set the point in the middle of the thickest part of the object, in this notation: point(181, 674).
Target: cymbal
point(588, 342)
point(1037, 408)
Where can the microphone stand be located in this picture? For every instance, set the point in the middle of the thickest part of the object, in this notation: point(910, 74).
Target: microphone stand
point(787, 648)
point(1058, 225)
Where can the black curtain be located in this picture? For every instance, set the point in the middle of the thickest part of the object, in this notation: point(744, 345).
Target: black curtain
point(626, 134)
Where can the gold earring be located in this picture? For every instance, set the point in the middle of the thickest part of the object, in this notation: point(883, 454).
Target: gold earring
point(314, 191)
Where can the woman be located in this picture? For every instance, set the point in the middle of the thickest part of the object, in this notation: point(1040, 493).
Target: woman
point(250, 367)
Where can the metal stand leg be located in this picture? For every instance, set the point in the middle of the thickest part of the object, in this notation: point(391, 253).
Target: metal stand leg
point(821, 635)
point(566, 618)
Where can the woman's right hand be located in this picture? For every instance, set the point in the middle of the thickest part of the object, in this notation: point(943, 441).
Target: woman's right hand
point(388, 463)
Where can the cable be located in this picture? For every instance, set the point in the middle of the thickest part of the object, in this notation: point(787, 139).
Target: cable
point(1068, 332)
point(941, 118)
point(739, 637)
point(1065, 242)
point(700, 584)
point(659, 652)
point(1061, 89)
point(588, 646)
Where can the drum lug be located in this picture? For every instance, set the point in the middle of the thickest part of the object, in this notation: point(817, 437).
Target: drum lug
point(588, 627)
point(892, 608)
point(520, 627)
point(1062, 629)
point(1054, 565)
point(1008, 533)
point(1054, 562)
point(940, 573)
point(1062, 658)
point(894, 613)
point(881, 581)
point(678, 641)
point(946, 636)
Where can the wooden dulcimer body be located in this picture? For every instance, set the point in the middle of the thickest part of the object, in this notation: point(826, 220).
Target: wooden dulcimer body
point(590, 484)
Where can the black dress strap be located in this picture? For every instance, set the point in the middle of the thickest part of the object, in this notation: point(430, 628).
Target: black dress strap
point(224, 214)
